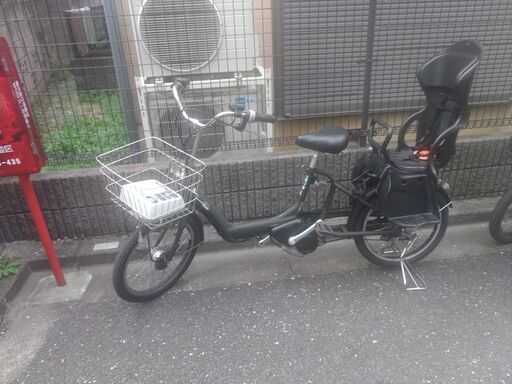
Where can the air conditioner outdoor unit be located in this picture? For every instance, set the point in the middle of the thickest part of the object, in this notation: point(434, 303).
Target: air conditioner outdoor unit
point(204, 99)
point(194, 37)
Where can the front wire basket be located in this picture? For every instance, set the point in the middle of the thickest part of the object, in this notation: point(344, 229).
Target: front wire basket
point(152, 180)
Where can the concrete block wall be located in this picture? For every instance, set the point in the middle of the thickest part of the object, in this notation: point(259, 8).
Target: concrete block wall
point(76, 205)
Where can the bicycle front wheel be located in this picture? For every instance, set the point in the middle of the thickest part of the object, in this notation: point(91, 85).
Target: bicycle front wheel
point(500, 225)
point(152, 261)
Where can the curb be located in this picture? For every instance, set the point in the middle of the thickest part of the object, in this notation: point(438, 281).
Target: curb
point(81, 252)
point(473, 210)
point(11, 292)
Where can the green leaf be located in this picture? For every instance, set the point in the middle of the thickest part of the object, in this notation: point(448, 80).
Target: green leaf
point(14, 271)
point(8, 267)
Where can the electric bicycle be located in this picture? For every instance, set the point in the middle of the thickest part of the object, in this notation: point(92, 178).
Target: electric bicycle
point(398, 210)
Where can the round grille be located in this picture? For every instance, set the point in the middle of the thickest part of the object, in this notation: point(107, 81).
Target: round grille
point(181, 35)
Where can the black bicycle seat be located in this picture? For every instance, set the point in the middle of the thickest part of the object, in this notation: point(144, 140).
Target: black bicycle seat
point(330, 139)
point(452, 70)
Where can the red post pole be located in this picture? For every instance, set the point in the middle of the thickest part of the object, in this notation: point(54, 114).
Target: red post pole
point(42, 229)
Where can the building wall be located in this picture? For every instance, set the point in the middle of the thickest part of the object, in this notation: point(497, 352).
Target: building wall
point(59, 31)
point(27, 28)
point(485, 121)
point(262, 21)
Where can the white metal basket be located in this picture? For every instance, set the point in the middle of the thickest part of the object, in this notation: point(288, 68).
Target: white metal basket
point(151, 179)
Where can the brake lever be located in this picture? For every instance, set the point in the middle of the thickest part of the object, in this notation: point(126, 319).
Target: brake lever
point(243, 124)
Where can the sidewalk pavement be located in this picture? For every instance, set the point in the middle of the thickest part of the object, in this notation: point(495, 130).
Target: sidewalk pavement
point(101, 250)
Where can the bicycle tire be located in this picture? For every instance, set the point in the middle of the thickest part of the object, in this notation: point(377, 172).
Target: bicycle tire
point(126, 291)
point(360, 221)
point(498, 215)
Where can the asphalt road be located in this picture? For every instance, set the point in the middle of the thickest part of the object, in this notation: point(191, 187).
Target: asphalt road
point(353, 325)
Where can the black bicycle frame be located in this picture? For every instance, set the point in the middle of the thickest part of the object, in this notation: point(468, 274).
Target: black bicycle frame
point(236, 232)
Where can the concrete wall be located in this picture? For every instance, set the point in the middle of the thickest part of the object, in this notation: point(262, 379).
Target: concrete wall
point(76, 205)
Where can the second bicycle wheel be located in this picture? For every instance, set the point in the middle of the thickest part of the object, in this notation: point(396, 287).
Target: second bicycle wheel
point(152, 261)
point(500, 225)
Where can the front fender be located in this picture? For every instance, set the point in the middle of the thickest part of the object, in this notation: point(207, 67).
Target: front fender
point(196, 222)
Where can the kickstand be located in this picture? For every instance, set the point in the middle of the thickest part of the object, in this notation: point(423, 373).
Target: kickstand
point(410, 277)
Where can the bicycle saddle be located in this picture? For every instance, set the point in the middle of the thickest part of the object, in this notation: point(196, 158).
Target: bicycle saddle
point(330, 139)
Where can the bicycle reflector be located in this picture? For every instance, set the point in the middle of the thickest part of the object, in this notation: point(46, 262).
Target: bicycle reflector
point(21, 152)
point(421, 154)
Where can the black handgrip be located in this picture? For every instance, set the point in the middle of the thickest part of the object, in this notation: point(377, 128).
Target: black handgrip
point(183, 81)
point(245, 117)
point(265, 118)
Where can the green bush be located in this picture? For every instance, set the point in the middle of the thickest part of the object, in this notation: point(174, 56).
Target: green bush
point(76, 126)
point(84, 136)
point(8, 267)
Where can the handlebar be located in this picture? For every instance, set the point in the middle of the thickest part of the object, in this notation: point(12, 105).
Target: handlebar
point(389, 134)
point(245, 117)
point(265, 118)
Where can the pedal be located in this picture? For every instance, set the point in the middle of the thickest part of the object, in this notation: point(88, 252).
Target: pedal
point(415, 220)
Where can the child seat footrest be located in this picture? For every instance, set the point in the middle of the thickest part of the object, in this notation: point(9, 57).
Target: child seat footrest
point(415, 220)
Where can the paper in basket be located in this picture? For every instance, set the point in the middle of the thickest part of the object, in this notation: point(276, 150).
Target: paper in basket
point(151, 199)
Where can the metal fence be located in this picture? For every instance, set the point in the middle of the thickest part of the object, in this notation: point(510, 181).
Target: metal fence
point(99, 72)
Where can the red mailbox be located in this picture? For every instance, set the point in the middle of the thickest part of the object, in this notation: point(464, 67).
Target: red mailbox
point(21, 153)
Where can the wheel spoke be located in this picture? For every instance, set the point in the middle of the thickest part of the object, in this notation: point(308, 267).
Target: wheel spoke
point(142, 276)
point(389, 247)
point(142, 268)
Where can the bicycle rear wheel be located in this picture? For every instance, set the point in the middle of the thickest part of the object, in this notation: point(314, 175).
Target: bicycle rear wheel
point(500, 224)
point(152, 261)
point(385, 250)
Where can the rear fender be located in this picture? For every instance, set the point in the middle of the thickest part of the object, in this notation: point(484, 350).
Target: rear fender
point(444, 198)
